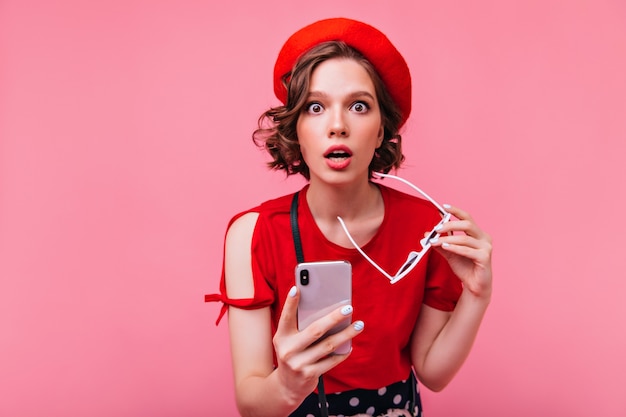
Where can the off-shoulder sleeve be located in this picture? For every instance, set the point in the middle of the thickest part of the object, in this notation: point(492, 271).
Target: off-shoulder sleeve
point(263, 291)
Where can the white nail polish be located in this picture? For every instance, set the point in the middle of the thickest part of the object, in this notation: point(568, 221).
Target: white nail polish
point(447, 206)
point(293, 291)
point(358, 325)
point(346, 310)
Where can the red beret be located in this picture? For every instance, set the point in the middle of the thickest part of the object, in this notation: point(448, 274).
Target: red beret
point(369, 41)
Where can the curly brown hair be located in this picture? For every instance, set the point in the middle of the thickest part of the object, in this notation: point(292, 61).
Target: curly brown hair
point(277, 126)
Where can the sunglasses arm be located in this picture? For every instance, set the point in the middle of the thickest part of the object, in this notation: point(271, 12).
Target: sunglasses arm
point(416, 188)
point(374, 264)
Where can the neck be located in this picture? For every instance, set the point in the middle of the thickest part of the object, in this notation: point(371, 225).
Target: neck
point(359, 204)
point(348, 201)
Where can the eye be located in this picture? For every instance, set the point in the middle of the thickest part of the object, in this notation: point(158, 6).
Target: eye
point(314, 108)
point(360, 107)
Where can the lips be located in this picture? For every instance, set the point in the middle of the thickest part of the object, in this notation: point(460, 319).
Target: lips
point(338, 157)
point(338, 152)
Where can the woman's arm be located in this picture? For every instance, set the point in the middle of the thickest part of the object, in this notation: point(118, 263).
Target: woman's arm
point(261, 389)
point(442, 340)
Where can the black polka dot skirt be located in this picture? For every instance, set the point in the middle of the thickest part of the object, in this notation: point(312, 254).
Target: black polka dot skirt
point(386, 401)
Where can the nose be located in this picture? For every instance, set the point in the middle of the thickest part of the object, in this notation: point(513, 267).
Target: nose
point(338, 126)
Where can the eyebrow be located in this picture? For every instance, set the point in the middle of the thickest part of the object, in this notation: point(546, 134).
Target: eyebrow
point(353, 95)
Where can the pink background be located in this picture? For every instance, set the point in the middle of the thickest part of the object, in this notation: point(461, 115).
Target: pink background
point(125, 148)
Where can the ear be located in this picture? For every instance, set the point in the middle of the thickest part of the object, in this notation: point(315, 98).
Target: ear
point(381, 136)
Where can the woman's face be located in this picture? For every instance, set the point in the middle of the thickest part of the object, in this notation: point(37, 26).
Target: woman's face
point(340, 127)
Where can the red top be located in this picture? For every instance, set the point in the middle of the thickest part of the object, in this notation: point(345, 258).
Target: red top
point(381, 354)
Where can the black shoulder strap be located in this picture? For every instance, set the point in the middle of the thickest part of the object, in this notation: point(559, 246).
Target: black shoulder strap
point(295, 231)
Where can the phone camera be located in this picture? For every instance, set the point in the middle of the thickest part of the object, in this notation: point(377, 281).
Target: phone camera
point(304, 277)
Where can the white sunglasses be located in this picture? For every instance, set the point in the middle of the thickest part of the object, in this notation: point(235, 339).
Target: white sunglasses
point(414, 257)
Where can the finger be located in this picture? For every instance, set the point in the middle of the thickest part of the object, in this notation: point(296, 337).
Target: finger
point(288, 321)
point(317, 333)
point(459, 240)
point(465, 225)
point(476, 250)
point(324, 353)
point(323, 325)
point(453, 226)
point(457, 212)
point(327, 362)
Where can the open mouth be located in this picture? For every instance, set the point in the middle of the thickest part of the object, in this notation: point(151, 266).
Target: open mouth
point(337, 155)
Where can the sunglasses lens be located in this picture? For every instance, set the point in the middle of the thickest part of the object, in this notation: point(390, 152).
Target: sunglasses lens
point(428, 238)
point(409, 262)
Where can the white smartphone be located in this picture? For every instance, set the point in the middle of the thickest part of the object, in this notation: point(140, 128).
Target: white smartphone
point(324, 286)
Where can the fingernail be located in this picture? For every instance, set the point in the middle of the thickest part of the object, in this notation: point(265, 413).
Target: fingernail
point(346, 310)
point(445, 245)
point(434, 240)
point(293, 291)
point(447, 206)
point(358, 325)
point(439, 227)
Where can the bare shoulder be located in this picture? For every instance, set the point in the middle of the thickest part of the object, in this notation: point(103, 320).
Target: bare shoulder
point(238, 257)
point(242, 228)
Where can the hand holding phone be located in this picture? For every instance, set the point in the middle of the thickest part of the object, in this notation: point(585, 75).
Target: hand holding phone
point(324, 286)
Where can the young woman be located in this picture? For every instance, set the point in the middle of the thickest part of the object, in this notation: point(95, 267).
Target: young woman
point(346, 91)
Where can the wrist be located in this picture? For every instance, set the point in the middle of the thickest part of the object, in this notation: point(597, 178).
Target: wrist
point(482, 296)
point(291, 398)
